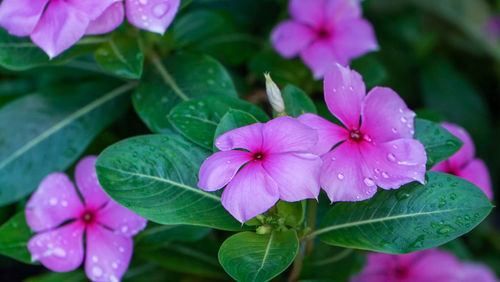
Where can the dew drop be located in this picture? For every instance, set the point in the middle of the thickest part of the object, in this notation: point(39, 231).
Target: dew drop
point(143, 2)
point(160, 10)
point(340, 176)
point(334, 159)
point(58, 252)
point(96, 271)
point(376, 170)
point(368, 181)
point(113, 278)
point(395, 147)
point(334, 89)
point(114, 265)
point(53, 201)
point(391, 157)
point(121, 249)
point(95, 259)
point(64, 203)
point(124, 229)
point(401, 110)
point(350, 88)
point(385, 175)
point(228, 162)
point(367, 138)
point(394, 130)
point(403, 120)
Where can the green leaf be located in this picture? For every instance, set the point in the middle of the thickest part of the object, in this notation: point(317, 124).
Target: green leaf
point(233, 119)
point(293, 213)
point(72, 276)
point(214, 33)
point(297, 102)
point(247, 256)
point(156, 175)
point(439, 143)
point(198, 119)
point(177, 79)
point(19, 53)
point(40, 134)
point(14, 237)
point(409, 219)
point(157, 234)
point(373, 72)
point(121, 55)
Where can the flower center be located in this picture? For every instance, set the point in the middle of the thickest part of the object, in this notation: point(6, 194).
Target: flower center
point(258, 156)
point(400, 272)
point(323, 33)
point(356, 135)
point(88, 217)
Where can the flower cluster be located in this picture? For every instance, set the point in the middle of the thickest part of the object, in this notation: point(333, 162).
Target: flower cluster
point(289, 159)
point(323, 32)
point(427, 265)
point(57, 213)
point(55, 25)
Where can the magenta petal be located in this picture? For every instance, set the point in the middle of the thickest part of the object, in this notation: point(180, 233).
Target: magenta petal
point(93, 8)
point(386, 116)
point(286, 134)
point(466, 153)
point(341, 10)
point(19, 17)
point(476, 172)
point(61, 26)
point(247, 137)
point(251, 192)
point(59, 250)
point(354, 38)
point(378, 268)
point(120, 219)
point(329, 134)
point(108, 21)
point(319, 57)
point(296, 174)
point(433, 265)
point(108, 254)
point(88, 184)
point(476, 272)
point(310, 12)
point(152, 15)
point(218, 169)
point(344, 94)
point(290, 37)
point(396, 163)
point(345, 176)
point(54, 202)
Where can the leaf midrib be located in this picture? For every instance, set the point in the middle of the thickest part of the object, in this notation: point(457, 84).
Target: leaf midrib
point(64, 122)
point(169, 81)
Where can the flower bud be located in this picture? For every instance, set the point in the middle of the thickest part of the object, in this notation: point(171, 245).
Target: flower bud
point(274, 95)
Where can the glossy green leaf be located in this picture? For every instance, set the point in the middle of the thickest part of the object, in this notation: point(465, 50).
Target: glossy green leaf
point(248, 256)
point(177, 79)
point(296, 101)
point(72, 276)
point(233, 119)
point(19, 53)
point(293, 213)
point(40, 134)
point(156, 177)
point(198, 119)
point(157, 234)
point(121, 55)
point(14, 237)
point(409, 219)
point(439, 143)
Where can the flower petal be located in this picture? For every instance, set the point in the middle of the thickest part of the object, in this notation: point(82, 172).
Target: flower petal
point(290, 37)
point(319, 57)
point(476, 172)
point(286, 134)
point(466, 153)
point(311, 12)
point(121, 219)
point(386, 117)
point(108, 254)
point(329, 134)
point(251, 192)
point(395, 163)
point(54, 202)
point(218, 169)
point(247, 137)
point(475, 272)
point(61, 26)
point(344, 94)
point(297, 175)
point(341, 10)
point(88, 184)
point(93, 8)
point(152, 15)
point(378, 268)
point(108, 21)
point(353, 39)
point(60, 249)
point(345, 176)
point(433, 265)
point(19, 17)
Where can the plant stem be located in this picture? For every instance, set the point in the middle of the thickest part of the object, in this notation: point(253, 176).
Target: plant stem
point(312, 206)
point(297, 268)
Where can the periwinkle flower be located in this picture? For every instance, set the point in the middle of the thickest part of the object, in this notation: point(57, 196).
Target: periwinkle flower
point(374, 148)
point(463, 163)
point(55, 25)
point(426, 265)
point(262, 163)
point(323, 32)
point(57, 213)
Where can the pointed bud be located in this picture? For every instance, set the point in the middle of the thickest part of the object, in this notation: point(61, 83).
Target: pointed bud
point(274, 95)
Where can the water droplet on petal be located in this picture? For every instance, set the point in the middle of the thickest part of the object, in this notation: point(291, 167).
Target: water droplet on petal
point(391, 157)
point(143, 2)
point(228, 162)
point(114, 265)
point(121, 249)
point(58, 252)
point(395, 146)
point(376, 170)
point(385, 175)
point(64, 203)
point(334, 89)
point(401, 110)
point(340, 176)
point(124, 229)
point(160, 10)
point(96, 271)
point(53, 201)
point(95, 259)
point(367, 138)
point(394, 130)
point(350, 88)
point(333, 158)
point(403, 120)
point(368, 181)
point(113, 278)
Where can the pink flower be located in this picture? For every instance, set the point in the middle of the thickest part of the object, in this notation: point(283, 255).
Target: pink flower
point(55, 25)
point(463, 164)
point(108, 227)
point(324, 32)
point(376, 146)
point(427, 265)
point(262, 163)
